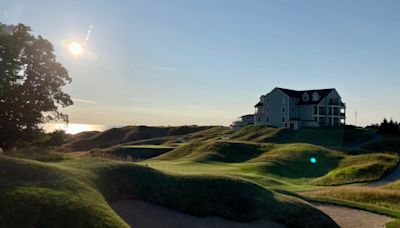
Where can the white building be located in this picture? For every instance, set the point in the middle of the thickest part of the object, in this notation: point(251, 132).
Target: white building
point(243, 121)
point(285, 108)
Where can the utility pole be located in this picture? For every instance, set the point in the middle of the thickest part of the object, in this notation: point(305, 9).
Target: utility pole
point(356, 117)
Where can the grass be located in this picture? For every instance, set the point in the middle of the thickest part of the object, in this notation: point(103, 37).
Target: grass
point(130, 152)
point(359, 168)
point(284, 166)
point(382, 200)
point(36, 194)
point(212, 171)
point(75, 192)
point(128, 134)
point(327, 137)
point(388, 143)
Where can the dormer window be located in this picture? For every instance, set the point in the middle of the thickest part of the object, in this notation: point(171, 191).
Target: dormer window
point(305, 97)
point(315, 96)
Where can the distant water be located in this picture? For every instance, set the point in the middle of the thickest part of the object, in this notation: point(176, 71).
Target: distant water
point(74, 128)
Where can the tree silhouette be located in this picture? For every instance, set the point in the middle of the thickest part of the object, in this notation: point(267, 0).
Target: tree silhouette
point(31, 79)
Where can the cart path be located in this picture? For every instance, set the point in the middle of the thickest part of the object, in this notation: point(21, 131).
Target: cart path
point(351, 218)
point(140, 214)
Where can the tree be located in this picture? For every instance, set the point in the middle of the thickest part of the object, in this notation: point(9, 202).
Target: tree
point(31, 79)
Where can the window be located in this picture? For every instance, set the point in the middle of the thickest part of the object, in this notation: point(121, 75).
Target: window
point(259, 119)
point(315, 96)
point(283, 119)
point(292, 109)
point(267, 119)
point(283, 109)
point(305, 97)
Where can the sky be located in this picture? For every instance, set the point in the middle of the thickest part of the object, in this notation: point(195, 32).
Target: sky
point(206, 62)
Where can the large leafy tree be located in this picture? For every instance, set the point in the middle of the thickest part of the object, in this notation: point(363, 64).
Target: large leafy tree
point(31, 80)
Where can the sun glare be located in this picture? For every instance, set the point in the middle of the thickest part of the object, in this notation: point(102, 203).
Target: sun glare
point(75, 48)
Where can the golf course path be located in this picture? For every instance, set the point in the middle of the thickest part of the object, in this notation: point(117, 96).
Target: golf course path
point(140, 214)
point(375, 138)
point(393, 176)
point(352, 218)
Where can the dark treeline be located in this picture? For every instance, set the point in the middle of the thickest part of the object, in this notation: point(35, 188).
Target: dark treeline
point(387, 127)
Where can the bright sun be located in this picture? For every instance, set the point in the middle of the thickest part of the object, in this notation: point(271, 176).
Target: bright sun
point(75, 48)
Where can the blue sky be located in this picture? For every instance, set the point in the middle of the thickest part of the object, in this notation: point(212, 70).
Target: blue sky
point(208, 61)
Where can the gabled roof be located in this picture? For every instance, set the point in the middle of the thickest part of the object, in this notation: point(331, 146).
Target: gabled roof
point(299, 94)
point(259, 104)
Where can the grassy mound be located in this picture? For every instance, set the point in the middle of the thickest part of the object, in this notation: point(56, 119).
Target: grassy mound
point(359, 168)
point(289, 160)
point(72, 193)
point(130, 152)
point(329, 137)
point(212, 133)
point(116, 136)
point(231, 198)
point(214, 151)
point(35, 194)
point(380, 200)
point(255, 133)
point(388, 143)
point(383, 200)
point(293, 160)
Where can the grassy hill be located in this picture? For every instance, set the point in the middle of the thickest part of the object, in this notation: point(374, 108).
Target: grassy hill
point(114, 136)
point(239, 175)
point(275, 165)
point(130, 152)
point(328, 137)
point(74, 193)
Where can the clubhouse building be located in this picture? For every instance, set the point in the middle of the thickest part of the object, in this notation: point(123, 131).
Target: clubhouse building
point(286, 108)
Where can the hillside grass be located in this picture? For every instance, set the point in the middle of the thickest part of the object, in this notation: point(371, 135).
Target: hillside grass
point(359, 168)
point(128, 134)
point(327, 137)
point(388, 143)
point(130, 152)
point(383, 200)
point(36, 194)
point(284, 166)
point(74, 193)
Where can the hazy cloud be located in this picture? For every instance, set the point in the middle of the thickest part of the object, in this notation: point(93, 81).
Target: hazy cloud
point(87, 37)
point(85, 101)
point(5, 13)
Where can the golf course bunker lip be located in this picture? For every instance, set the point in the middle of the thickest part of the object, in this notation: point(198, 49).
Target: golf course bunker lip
point(141, 214)
point(350, 217)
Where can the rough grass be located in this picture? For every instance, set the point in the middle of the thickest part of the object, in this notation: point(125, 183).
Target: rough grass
point(127, 134)
point(130, 152)
point(73, 193)
point(276, 164)
point(380, 197)
point(328, 137)
point(35, 194)
point(359, 168)
point(383, 200)
point(293, 160)
point(388, 143)
point(214, 151)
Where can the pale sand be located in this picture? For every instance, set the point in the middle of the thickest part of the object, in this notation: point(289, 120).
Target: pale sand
point(351, 218)
point(140, 214)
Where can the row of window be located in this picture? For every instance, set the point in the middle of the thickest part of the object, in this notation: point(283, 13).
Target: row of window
point(283, 110)
point(283, 119)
